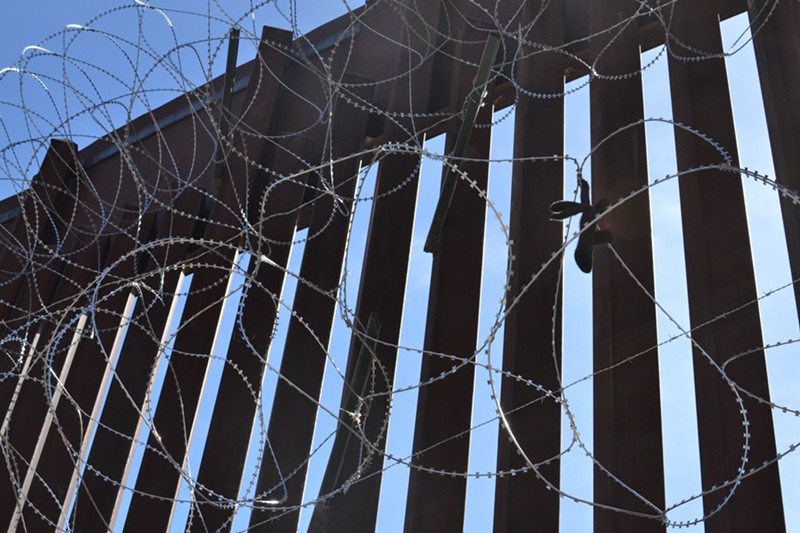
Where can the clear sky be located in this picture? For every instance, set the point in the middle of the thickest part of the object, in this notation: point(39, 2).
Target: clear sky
point(30, 23)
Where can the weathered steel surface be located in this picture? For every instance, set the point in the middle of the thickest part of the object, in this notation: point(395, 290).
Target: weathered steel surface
point(233, 418)
point(720, 278)
point(109, 458)
point(31, 277)
point(186, 378)
point(349, 425)
point(220, 155)
point(291, 426)
point(777, 49)
point(627, 411)
point(173, 423)
point(532, 342)
point(385, 269)
point(41, 221)
point(232, 421)
point(382, 291)
point(444, 408)
point(30, 271)
point(627, 419)
point(34, 395)
point(255, 121)
point(473, 104)
point(65, 437)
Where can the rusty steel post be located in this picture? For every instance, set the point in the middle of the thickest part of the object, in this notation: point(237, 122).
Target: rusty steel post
point(474, 103)
point(444, 408)
point(234, 412)
point(254, 120)
point(186, 379)
point(627, 410)
point(291, 425)
point(33, 279)
point(109, 458)
point(778, 60)
point(232, 419)
point(38, 224)
point(173, 423)
point(385, 269)
point(532, 343)
point(65, 437)
point(720, 278)
point(28, 415)
point(33, 274)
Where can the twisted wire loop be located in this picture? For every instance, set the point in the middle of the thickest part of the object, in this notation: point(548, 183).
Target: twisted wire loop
point(113, 230)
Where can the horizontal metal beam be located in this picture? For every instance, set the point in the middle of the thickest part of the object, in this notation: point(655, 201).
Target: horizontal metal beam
point(309, 50)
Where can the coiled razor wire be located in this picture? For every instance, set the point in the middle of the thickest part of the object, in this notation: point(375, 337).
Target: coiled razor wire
point(86, 80)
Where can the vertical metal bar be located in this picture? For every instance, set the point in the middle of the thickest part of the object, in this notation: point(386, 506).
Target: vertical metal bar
point(291, 424)
point(381, 291)
point(58, 464)
point(354, 391)
point(80, 389)
point(778, 61)
point(189, 372)
point(110, 455)
point(74, 447)
point(173, 423)
point(27, 416)
point(232, 419)
point(255, 119)
point(33, 225)
point(444, 407)
point(720, 278)
point(20, 295)
point(36, 275)
point(234, 410)
point(627, 410)
point(64, 437)
point(532, 342)
point(55, 393)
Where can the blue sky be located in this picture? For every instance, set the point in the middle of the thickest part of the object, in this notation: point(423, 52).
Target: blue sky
point(31, 23)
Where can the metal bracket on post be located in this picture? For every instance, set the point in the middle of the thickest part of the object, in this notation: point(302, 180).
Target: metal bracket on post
point(227, 96)
point(345, 430)
point(475, 99)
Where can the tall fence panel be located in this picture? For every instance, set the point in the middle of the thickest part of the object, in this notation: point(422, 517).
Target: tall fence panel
point(274, 153)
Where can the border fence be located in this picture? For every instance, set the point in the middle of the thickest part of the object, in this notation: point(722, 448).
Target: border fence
point(95, 252)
